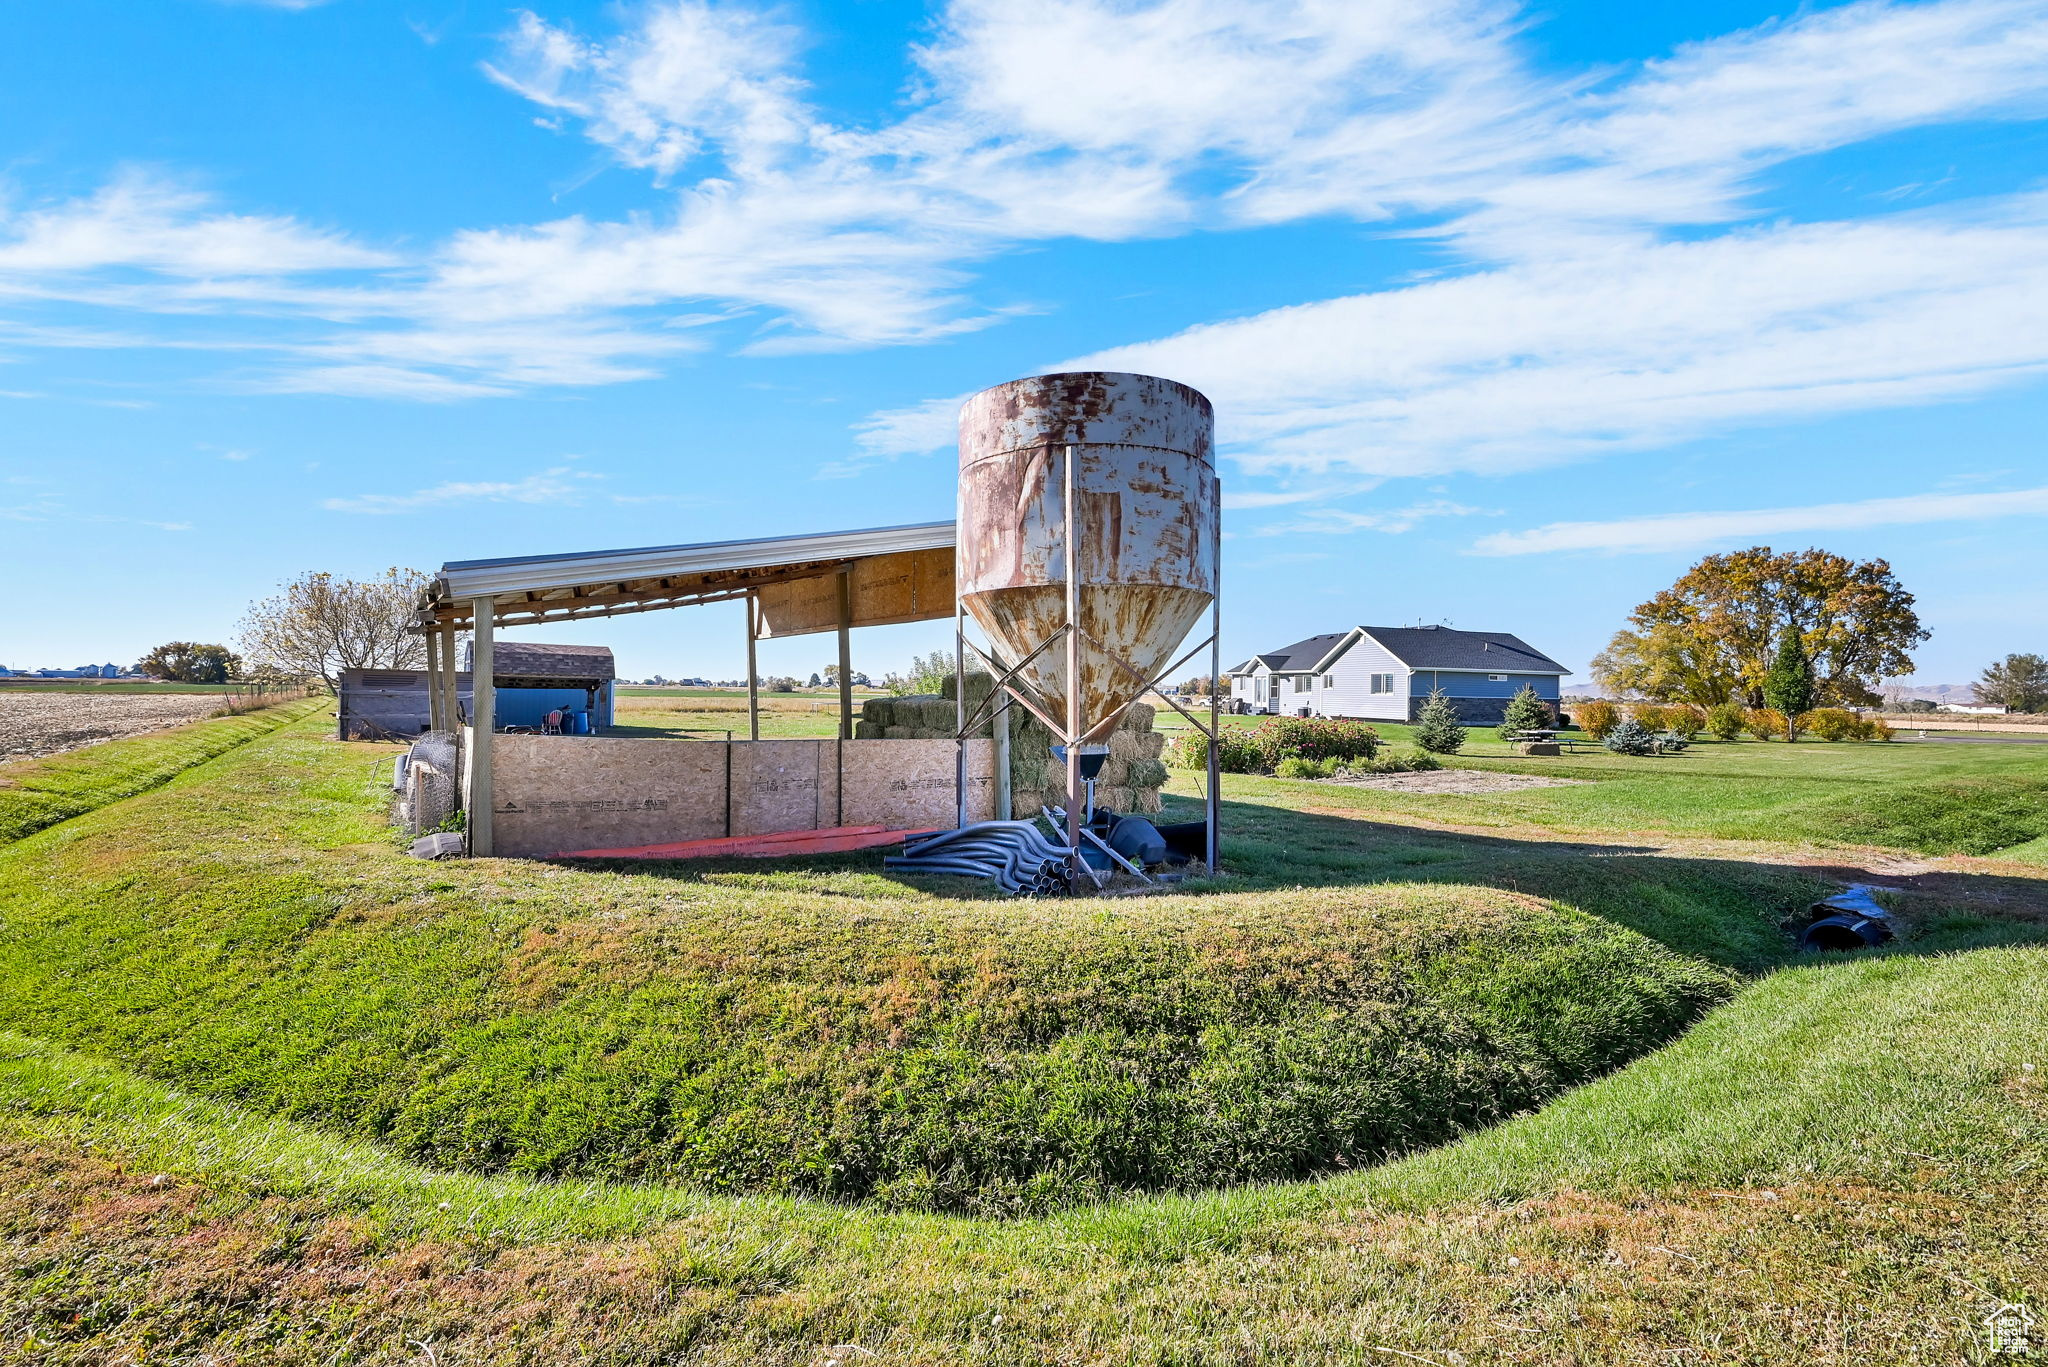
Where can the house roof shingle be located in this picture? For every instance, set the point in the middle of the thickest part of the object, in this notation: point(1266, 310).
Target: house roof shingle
point(1418, 648)
point(1446, 648)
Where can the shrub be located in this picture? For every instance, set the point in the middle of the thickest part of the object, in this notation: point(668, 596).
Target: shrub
point(1653, 716)
point(1597, 718)
point(1685, 720)
point(1524, 712)
point(1727, 720)
point(1417, 762)
point(1835, 723)
point(1765, 723)
point(1630, 737)
point(1285, 738)
point(1294, 766)
point(1877, 728)
point(1437, 728)
point(1236, 754)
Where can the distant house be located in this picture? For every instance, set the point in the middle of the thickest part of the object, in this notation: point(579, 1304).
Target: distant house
point(1386, 673)
point(1981, 709)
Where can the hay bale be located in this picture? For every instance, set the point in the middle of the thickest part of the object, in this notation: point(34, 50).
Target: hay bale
point(1139, 718)
point(868, 730)
point(1151, 744)
point(878, 711)
point(1147, 773)
point(1116, 799)
point(1125, 746)
point(1148, 803)
point(903, 733)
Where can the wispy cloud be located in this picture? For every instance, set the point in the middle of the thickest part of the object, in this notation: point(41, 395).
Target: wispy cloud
point(1390, 520)
point(560, 485)
point(1691, 531)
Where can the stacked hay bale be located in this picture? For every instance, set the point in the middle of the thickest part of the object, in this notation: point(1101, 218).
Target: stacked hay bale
point(1130, 780)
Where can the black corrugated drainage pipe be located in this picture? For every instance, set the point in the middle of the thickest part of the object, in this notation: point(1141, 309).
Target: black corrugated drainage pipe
point(1851, 919)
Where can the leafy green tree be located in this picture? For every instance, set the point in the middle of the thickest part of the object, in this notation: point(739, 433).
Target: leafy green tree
point(1437, 728)
point(1524, 712)
point(1788, 687)
point(1709, 638)
point(190, 662)
point(2018, 682)
point(1725, 720)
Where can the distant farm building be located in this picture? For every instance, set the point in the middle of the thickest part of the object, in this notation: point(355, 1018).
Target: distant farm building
point(1387, 673)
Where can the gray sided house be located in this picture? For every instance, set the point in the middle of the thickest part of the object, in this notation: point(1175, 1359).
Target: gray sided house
point(1386, 673)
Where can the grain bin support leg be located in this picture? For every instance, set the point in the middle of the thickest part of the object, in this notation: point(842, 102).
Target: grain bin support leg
point(1212, 807)
point(960, 717)
point(1073, 736)
point(484, 720)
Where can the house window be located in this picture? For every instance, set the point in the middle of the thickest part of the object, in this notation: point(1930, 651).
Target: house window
point(1498, 678)
point(1382, 683)
point(1328, 680)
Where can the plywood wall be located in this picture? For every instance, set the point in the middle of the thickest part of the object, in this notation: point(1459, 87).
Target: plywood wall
point(561, 793)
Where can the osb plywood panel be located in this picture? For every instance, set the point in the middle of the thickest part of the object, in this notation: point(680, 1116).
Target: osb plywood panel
point(557, 793)
point(915, 586)
point(783, 785)
point(905, 784)
point(560, 793)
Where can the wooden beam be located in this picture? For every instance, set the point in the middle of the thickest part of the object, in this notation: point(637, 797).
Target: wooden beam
point(484, 717)
point(451, 669)
point(846, 652)
point(753, 673)
point(433, 645)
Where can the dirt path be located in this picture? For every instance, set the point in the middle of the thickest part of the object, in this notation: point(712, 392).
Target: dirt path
point(33, 724)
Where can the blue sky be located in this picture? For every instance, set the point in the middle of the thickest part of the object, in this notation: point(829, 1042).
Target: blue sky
point(1509, 313)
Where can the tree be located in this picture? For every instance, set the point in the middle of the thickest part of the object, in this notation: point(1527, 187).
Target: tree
point(1789, 686)
point(190, 662)
point(1710, 637)
point(2018, 682)
point(815, 682)
point(1524, 712)
point(1437, 728)
point(1629, 737)
point(1726, 720)
point(320, 625)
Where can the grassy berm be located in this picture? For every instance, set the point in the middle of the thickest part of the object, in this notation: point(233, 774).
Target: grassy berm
point(250, 931)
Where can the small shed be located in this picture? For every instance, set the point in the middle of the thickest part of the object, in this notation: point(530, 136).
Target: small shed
point(533, 680)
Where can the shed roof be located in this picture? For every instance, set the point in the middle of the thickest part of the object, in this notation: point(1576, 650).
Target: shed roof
point(897, 574)
point(1298, 658)
point(534, 660)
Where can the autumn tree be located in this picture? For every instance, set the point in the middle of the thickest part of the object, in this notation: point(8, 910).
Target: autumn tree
point(190, 662)
point(319, 625)
point(2018, 682)
point(1711, 637)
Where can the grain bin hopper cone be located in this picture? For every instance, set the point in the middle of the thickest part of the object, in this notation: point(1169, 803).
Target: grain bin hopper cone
point(1087, 546)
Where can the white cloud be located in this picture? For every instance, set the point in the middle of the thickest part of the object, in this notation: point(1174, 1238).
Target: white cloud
point(556, 486)
point(1687, 531)
point(1390, 520)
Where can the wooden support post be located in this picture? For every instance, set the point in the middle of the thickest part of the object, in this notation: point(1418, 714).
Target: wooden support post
point(753, 670)
point(1001, 725)
point(846, 652)
point(1212, 809)
point(451, 692)
point(432, 641)
point(483, 719)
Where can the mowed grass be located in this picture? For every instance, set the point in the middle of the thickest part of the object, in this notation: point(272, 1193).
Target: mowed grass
point(251, 931)
point(1928, 797)
point(1844, 1165)
point(38, 793)
point(717, 714)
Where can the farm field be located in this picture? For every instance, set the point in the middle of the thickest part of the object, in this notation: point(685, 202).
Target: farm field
point(45, 721)
point(711, 713)
point(281, 1094)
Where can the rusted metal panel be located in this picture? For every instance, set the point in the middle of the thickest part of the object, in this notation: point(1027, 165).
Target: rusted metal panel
point(1145, 534)
point(914, 586)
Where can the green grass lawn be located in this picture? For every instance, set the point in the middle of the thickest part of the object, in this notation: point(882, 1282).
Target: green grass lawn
point(254, 1041)
point(38, 793)
point(1936, 799)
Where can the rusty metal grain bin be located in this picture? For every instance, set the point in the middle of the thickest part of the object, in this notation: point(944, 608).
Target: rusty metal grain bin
point(1145, 509)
